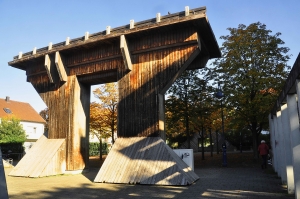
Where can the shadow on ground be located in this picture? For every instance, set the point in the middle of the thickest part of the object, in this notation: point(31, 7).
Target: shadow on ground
point(243, 178)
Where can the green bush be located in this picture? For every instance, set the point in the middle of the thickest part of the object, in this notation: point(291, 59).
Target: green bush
point(94, 148)
point(11, 131)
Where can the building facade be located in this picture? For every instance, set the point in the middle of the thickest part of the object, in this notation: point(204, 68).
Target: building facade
point(32, 122)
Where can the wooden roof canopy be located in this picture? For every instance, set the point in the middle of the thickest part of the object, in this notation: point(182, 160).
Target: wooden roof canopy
point(189, 18)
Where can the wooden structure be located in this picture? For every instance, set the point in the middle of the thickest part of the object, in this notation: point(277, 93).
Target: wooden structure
point(145, 58)
point(162, 165)
point(46, 157)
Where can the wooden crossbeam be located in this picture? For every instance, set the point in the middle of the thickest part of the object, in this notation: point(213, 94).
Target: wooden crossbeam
point(125, 53)
point(60, 67)
point(48, 68)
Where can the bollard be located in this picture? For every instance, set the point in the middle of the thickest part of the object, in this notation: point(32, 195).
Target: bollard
point(224, 158)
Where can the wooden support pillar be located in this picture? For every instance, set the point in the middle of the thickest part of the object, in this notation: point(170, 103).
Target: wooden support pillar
point(68, 102)
point(141, 91)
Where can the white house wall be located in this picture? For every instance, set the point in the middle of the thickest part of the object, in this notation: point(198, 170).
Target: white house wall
point(33, 132)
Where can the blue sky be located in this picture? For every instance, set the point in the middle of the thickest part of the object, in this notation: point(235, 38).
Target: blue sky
point(25, 24)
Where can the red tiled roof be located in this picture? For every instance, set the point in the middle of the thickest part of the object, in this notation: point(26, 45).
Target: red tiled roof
point(21, 110)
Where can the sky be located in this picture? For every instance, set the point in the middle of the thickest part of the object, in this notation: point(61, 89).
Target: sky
point(25, 24)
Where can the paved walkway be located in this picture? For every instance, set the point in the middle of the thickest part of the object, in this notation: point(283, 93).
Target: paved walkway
point(240, 181)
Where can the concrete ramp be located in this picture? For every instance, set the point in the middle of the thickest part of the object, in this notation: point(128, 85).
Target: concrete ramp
point(144, 160)
point(45, 158)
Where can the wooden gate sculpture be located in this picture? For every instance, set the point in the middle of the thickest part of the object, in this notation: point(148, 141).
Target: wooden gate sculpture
point(145, 58)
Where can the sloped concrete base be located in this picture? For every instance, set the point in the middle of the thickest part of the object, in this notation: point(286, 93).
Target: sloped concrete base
point(144, 160)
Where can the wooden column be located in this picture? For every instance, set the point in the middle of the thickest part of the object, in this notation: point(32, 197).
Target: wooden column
point(69, 103)
point(153, 71)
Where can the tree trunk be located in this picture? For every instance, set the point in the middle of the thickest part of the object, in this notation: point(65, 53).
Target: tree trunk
point(255, 145)
point(202, 142)
point(101, 149)
point(217, 140)
point(211, 146)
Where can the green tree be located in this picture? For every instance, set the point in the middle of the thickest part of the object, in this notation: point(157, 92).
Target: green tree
point(252, 72)
point(182, 107)
point(11, 131)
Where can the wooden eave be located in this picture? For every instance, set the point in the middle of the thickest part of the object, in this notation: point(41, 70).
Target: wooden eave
point(197, 17)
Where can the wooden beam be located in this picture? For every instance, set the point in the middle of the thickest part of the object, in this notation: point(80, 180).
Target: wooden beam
point(187, 11)
point(157, 17)
point(125, 53)
point(107, 30)
point(179, 44)
point(95, 60)
point(86, 36)
point(67, 41)
point(50, 46)
point(34, 51)
point(181, 70)
point(131, 24)
point(60, 68)
point(48, 68)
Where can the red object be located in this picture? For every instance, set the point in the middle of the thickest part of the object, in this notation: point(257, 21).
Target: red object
point(263, 149)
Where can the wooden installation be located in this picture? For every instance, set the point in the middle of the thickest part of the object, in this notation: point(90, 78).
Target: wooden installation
point(49, 157)
point(145, 58)
point(144, 160)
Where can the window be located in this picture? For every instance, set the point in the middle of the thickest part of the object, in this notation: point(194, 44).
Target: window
point(7, 110)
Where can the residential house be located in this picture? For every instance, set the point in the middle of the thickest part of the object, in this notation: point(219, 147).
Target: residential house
point(32, 122)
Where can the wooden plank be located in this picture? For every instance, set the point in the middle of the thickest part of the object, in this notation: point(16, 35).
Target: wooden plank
point(154, 169)
point(186, 64)
point(48, 68)
point(60, 67)
point(138, 163)
point(35, 162)
point(144, 160)
point(125, 53)
point(24, 165)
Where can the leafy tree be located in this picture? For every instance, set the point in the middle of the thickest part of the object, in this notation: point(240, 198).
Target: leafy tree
point(108, 96)
point(252, 72)
point(45, 115)
point(11, 131)
point(98, 126)
point(181, 105)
